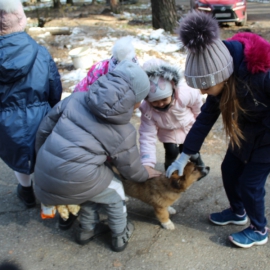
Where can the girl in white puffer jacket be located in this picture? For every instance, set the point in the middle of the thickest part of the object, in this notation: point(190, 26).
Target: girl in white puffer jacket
point(168, 112)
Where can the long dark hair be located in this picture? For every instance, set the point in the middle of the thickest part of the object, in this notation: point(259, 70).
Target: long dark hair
point(230, 109)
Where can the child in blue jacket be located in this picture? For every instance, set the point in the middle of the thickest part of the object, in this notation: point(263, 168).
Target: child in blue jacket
point(29, 87)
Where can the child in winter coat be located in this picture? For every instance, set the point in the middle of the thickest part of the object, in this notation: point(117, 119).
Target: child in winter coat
point(73, 143)
point(29, 87)
point(236, 76)
point(122, 49)
point(168, 112)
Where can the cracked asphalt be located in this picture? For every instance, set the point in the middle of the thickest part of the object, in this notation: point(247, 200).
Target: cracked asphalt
point(194, 244)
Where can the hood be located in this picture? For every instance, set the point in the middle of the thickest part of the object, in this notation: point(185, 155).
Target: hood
point(113, 96)
point(159, 68)
point(18, 54)
point(256, 51)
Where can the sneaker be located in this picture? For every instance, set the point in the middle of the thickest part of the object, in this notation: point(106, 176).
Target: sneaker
point(66, 224)
point(249, 237)
point(83, 236)
point(120, 241)
point(26, 195)
point(228, 217)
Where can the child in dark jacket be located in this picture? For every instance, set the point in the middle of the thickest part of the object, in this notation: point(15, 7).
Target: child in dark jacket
point(74, 142)
point(29, 87)
point(236, 76)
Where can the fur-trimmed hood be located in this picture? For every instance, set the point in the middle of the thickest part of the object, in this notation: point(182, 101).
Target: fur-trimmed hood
point(157, 67)
point(256, 51)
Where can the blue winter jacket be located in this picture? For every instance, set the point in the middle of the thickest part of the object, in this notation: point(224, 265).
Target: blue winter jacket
point(29, 86)
point(253, 93)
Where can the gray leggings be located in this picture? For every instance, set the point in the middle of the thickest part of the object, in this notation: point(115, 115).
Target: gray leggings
point(112, 199)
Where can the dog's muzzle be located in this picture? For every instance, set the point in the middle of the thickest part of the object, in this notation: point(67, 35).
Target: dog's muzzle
point(204, 170)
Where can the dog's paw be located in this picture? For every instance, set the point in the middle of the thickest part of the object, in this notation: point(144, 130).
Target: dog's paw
point(171, 210)
point(168, 225)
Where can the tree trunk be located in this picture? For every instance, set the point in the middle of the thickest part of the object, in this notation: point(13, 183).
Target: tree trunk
point(70, 2)
point(114, 6)
point(56, 3)
point(164, 14)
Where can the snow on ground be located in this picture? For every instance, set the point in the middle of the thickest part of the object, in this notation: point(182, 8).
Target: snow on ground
point(144, 42)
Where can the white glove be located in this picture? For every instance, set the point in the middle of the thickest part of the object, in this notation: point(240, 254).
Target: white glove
point(178, 165)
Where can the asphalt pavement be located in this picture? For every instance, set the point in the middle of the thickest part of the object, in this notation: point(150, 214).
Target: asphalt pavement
point(195, 244)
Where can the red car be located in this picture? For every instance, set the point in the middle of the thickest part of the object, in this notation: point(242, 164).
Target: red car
point(224, 10)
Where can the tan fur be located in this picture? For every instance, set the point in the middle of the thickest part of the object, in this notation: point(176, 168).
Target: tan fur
point(161, 192)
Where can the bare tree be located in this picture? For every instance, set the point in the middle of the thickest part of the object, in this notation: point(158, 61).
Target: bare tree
point(56, 3)
point(164, 14)
point(114, 6)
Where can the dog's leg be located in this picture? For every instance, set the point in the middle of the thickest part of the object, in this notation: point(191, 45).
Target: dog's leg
point(171, 210)
point(164, 218)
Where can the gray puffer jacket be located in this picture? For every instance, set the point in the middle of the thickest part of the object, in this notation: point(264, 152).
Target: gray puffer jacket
point(78, 135)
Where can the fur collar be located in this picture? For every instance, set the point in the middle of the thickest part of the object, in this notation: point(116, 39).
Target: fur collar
point(166, 71)
point(256, 51)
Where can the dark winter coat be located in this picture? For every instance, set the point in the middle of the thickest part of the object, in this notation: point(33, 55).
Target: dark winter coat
point(251, 56)
point(78, 135)
point(29, 86)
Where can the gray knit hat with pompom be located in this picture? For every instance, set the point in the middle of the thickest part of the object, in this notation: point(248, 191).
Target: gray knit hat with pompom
point(208, 62)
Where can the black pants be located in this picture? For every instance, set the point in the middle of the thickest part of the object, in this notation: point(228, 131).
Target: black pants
point(172, 151)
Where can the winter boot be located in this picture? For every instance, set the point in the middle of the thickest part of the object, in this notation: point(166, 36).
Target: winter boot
point(26, 195)
point(120, 241)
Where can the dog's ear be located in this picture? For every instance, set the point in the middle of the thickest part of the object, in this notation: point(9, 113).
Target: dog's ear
point(175, 175)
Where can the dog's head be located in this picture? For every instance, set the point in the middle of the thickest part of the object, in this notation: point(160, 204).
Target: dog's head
point(192, 173)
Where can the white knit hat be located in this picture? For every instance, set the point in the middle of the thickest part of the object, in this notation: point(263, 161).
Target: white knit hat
point(12, 17)
point(209, 61)
point(160, 88)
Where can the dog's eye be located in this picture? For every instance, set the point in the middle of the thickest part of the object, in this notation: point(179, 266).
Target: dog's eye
point(195, 169)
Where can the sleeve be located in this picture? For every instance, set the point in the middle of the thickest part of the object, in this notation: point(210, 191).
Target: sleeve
point(96, 71)
point(192, 98)
point(195, 103)
point(81, 86)
point(49, 121)
point(127, 160)
point(204, 122)
point(55, 84)
point(148, 139)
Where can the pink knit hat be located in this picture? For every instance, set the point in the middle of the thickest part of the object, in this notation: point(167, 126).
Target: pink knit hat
point(12, 17)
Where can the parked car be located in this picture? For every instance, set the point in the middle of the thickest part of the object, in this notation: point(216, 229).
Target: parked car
point(224, 10)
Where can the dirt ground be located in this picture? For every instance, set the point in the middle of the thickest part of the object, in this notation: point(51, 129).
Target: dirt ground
point(95, 19)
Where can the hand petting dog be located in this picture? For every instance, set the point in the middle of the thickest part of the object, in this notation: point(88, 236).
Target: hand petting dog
point(152, 172)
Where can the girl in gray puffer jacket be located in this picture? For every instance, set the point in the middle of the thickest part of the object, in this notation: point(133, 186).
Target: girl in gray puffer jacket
point(74, 141)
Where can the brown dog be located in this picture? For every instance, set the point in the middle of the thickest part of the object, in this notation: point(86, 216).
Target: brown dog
point(161, 192)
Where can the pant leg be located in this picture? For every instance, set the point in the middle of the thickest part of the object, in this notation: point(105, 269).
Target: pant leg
point(252, 186)
point(89, 215)
point(112, 199)
point(231, 169)
point(23, 179)
point(244, 186)
point(171, 153)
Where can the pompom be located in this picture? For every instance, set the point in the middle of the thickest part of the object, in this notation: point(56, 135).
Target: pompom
point(198, 30)
point(123, 49)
